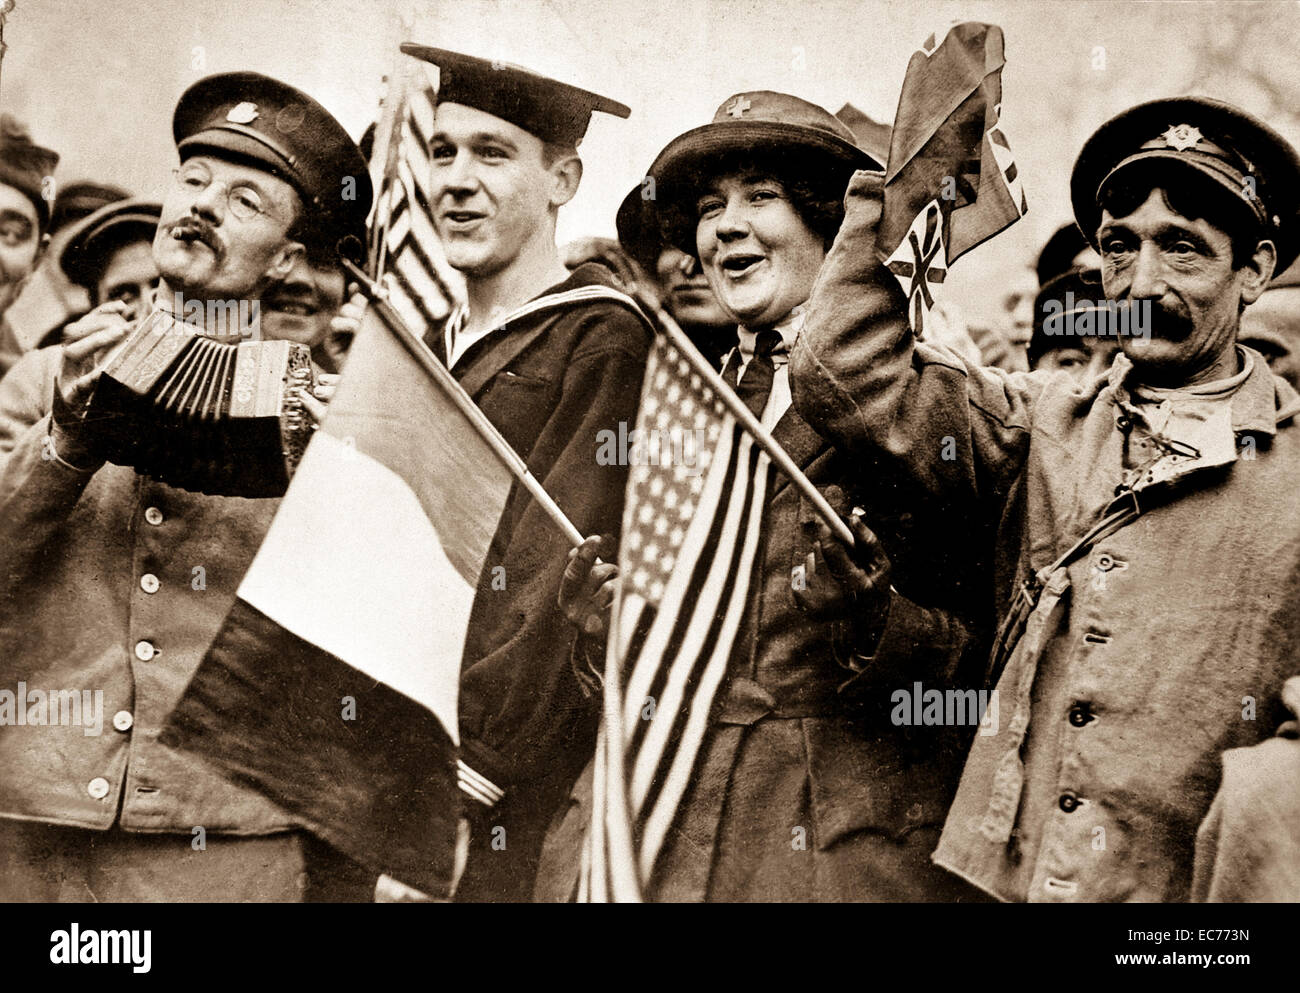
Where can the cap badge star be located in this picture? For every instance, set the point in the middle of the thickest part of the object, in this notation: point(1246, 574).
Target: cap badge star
point(1181, 137)
point(242, 113)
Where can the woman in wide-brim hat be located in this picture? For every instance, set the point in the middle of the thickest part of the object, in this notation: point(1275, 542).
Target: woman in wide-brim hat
point(767, 176)
point(802, 788)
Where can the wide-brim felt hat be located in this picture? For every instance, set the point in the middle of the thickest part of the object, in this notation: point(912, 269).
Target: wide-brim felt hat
point(1224, 144)
point(761, 122)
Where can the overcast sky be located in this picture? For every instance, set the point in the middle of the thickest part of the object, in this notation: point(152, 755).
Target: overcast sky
point(98, 79)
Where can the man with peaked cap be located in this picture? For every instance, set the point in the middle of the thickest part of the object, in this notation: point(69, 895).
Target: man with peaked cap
point(1072, 333)
point(1146, 569)
point(110, 254)
point(1065, 251)
point(106, 256)
point(26, 172)
point(554, 358)
point(112, 585)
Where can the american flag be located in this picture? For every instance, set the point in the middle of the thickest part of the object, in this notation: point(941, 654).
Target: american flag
point(690, 536)
point(420, 282)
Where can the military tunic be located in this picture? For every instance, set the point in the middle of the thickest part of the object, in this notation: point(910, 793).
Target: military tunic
point(1171, 638)
point(111, 587)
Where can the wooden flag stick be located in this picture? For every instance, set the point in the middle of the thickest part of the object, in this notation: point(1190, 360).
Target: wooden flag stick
point(384, 152)
point(744, 415)
point(443, 377)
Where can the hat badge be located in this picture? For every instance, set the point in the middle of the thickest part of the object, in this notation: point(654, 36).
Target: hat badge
point(242, 113)
point(1181, 137)
point(738, 107)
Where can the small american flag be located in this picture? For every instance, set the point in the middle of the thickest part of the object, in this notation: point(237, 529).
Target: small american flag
point(420, 281)
point(690, 536)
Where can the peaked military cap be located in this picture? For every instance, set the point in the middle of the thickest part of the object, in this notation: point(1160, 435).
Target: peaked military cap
point(95, 236)
point(253, 118)
point(76, 201)
point(1234, 149)
point(1051, 326)
point(24, 165)
point(551, 110)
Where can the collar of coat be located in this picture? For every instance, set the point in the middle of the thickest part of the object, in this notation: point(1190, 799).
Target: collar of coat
point(1262, 403)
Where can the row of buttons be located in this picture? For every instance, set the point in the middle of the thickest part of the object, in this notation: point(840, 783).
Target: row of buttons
point(144, 651)
point(1080, 714)
point(98, 787)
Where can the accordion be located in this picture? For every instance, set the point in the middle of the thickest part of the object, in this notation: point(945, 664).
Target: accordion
point(200, 414)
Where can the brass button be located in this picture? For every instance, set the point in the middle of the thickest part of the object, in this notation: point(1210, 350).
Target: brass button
point(1068, 803)
point(153, 515)
point(1080, 715)
point(1105, 562)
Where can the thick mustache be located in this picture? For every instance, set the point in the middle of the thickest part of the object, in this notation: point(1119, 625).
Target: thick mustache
point(1163, 320)
point(196, 229)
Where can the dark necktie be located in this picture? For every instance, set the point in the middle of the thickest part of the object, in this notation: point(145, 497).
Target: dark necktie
point(756, 384)
point(436, 338)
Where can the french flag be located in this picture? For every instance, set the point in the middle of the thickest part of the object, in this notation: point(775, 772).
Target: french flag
point(332, 687)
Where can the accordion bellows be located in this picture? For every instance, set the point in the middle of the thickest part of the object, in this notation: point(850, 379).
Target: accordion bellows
point(203, 415)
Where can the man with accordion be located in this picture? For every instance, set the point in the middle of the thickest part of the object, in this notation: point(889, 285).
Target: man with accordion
point(112, 581)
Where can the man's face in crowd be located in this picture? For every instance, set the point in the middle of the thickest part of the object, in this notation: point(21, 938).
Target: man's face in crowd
point(686, 292)
point(1018, 312)
point(1184, 268)
point(491, 189)
point(205, 250)
point(300, 308)
point(1271, 326)
point(1085, 360)
point(758, 255)
point(128, 276)
point(20, 241)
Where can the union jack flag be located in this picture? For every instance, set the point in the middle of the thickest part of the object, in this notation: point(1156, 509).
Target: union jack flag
point(951, 182)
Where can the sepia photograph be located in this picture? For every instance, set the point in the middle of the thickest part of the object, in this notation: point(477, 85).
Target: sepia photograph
point(593, 451)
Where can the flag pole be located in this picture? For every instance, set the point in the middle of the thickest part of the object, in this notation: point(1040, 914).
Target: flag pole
point(673, 332)
point(384, 153)
point(443, 377)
